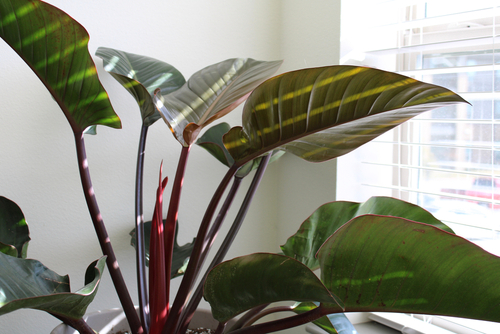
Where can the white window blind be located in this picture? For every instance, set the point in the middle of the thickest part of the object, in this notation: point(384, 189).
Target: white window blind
point(446, 160)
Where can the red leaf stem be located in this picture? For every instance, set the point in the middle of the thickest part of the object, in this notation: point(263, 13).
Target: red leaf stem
point(158, 295)
point(196, 258)
point(173, 211)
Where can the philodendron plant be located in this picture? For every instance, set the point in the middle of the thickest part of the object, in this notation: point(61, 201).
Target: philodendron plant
point(382, 255)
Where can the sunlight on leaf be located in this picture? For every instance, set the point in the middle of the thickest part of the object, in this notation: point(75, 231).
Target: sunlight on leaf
point(322, 113)
point(55, 47)
point(210, 94)
point(389, 264)
point(245, 282)
point(141, 76)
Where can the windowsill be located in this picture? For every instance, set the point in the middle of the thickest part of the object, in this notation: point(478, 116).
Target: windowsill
point(406, 324)
point(436, 325)
point(370, 327)
point(396, 323)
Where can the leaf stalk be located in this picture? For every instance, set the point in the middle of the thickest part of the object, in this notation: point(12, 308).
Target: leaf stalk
point(104, 241)
point(195, 259)
point(228, 240)
point(173, 211)
point(79, 324)
point(285, 323)
point(139, 222)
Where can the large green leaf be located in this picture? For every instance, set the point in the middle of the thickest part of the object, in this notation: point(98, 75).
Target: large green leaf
point(328, 218)
point(141, 76)
point(14, 232)
point(390, 264)
point(55, 47)
point(240, 284)
point(210, 94)
point(336, 323)
point(181, 253)
point(28, 283)
point(322, 113)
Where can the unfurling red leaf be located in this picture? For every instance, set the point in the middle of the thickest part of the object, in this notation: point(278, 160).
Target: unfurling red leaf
point(158, 292)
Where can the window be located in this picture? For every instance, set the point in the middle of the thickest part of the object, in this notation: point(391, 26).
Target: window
point(446, 160)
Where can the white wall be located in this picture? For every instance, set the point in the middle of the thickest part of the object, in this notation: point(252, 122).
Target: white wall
point(310, 37)
point(38, 168)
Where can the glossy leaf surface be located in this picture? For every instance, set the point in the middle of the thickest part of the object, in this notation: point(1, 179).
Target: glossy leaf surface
point(210, 94)
point(55, 47)
point(29, 284)
point(328, 218)
point(322, 113)
point(389, 264)
point(181, 253)
point(333, 323)
point(140, 76)
point(240, 284)
point(14, 232)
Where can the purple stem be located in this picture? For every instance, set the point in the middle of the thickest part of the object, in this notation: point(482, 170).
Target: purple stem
point(266, 312)
point(79, 324)
point(195, 259)
point(281, 324)
point(247, 316)
point(228, 240)
point(102, 235)
point(187, 315)
point(139, 233)
point(173, 211)
point(220, 328)
point(214, 230)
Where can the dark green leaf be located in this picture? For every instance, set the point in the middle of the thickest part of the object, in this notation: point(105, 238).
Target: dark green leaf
point(210, 94)
point(55, 47)
point(322, 113)
point(29, 284)
point(14, 232)
point(181, 253)
point(242, 283)
point(141, 75)
point(254, 164)
point(389, 264)
point(211, 140)
point(313, 232)
point(8, 249)
point(333, 323)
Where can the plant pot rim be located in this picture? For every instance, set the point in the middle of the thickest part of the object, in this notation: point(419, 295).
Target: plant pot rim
point(110, 320)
